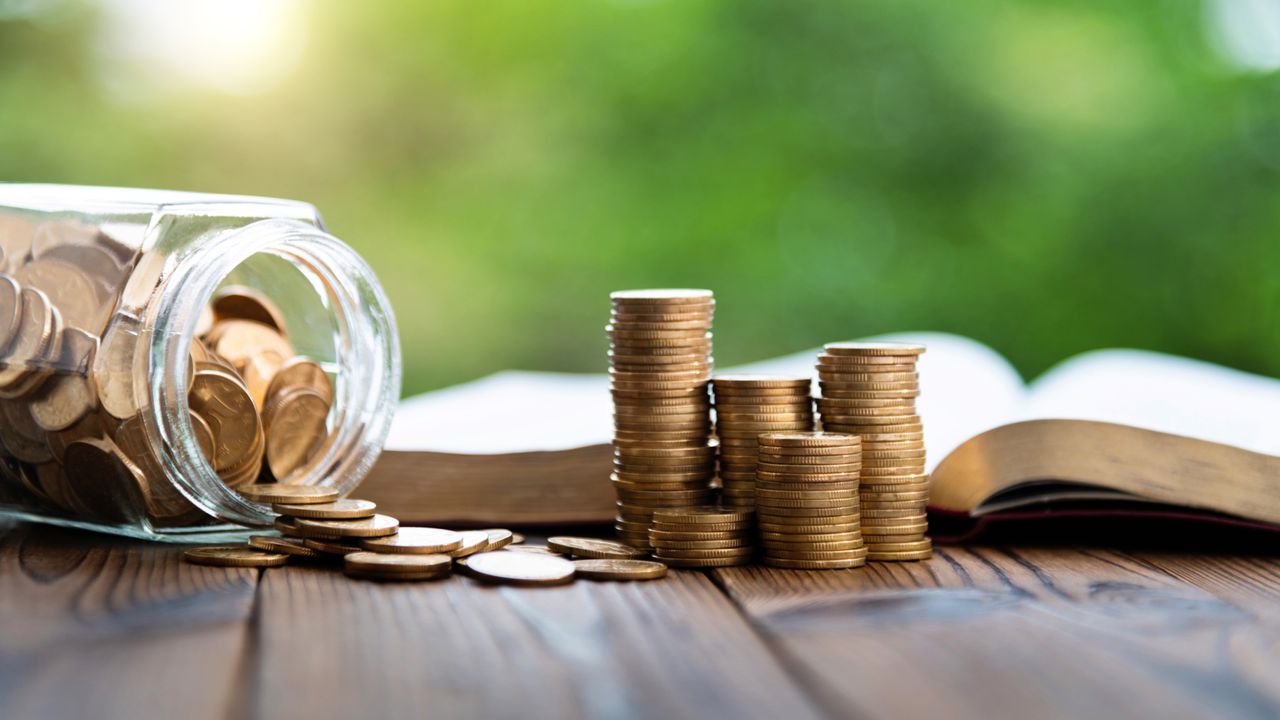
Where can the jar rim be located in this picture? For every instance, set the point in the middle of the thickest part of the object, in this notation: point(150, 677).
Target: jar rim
point(368, 382)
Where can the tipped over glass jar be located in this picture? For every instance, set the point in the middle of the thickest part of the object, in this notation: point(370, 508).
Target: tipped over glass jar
point(161, 351)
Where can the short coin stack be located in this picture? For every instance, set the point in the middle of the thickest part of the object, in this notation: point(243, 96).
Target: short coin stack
point(746, 406)
point(807, 504)
point(660, 366)
point(869, 390)
point(703, 537)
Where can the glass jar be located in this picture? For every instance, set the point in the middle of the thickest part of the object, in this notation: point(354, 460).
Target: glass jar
point(160, 349)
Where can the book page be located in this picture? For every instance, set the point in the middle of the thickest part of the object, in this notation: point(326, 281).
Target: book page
point(1165, 393)
point(966, 388)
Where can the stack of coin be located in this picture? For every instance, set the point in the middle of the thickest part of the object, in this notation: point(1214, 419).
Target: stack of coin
point(703, 537)
point(807, 504)
point(72, 437)
point(869, 390)
point(660, 365)
point(746, 406)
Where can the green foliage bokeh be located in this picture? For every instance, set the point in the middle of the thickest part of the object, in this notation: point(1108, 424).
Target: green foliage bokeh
point(1046, 177)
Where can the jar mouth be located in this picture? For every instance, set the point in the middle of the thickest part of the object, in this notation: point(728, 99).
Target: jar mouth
point(366, 356)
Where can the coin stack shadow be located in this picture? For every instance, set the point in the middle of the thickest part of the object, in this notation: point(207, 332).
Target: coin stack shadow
point(746, 406)
point(660, 367)
point(704, 537)
point(807, 504)
point(870, 390)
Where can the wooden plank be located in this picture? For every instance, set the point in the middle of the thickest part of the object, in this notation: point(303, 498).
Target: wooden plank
point(1044, 633)
point(333, 647)
point(93, 627)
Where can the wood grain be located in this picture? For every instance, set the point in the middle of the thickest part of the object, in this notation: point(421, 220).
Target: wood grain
point(1044, 633)
point(673, 648)
point(98, 628)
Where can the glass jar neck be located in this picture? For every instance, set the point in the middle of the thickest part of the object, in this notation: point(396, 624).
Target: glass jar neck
point(366, 353)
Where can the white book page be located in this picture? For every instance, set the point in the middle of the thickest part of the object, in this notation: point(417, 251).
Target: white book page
point(1165, 393)
point(966, 388)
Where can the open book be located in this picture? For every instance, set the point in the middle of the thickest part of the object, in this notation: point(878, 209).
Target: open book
point(1158, 430)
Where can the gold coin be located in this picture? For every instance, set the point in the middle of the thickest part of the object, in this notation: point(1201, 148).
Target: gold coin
point(332, 547)
point(36, 333)
point(375, 562)
point(270, 493)
point(815, 564)
point(701, 544)
point(375, 526)
point(683, 554)
point(769, 494)
point(806, 549)
point(234, 556)
point(828, 372)
point(473, 541)
point(823, 485)
point(703, 451)
point(922, 496)
point(874, 349)
point(775, 531)
point(662, 296)
point(912, 546)
point(592, 548)
point(284, 546)
point(499, 538)
point(888, 556)
point(104, 480)
point(68, 396)
point(237, 340)
point(344, 509)
point(657, 534)
point(706, 562)
point(765, 455)
point(614, 569)
point(416, 541)
point(808, 439)
point(843, 477)
point(224, 402)
point(703, 527)
point(744, 380)
point(866, 394)
point(859, 552)
point(520, 568)
point(237, 302)
point(798, 469)
point(700, 515)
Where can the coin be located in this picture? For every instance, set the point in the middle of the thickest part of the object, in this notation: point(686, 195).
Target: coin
point(222, 400)
point(238, 302)
point(808, 439)
point(473, 541)
point(703, 553)
point(295, 426)
point(237, 340)
point(284, 546)
point(721, 544)
point(592, 548)
point(380, 563)
point(614, 569)
point(841, 564)
point(499, 538)
point(287, 526)
point(291, 494)
point(344, 509)
point(662, 296)
point(234, 556)
point(370, 527)
point(889, 556)
point(520, 568)
point(706, 562)
point(416, 540)
point(874, 349)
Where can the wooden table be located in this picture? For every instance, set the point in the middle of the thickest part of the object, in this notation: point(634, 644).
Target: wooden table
point(92, 627)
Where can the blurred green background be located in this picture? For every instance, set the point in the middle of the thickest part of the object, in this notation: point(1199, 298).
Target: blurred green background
point(1047, 177)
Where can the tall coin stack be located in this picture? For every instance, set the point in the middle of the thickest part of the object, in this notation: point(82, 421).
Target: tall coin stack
point(807, 505)
point(746, 406)
point(869, 390)
point(660, 368)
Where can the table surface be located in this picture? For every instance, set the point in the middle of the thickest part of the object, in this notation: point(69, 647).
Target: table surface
point(94, 627)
